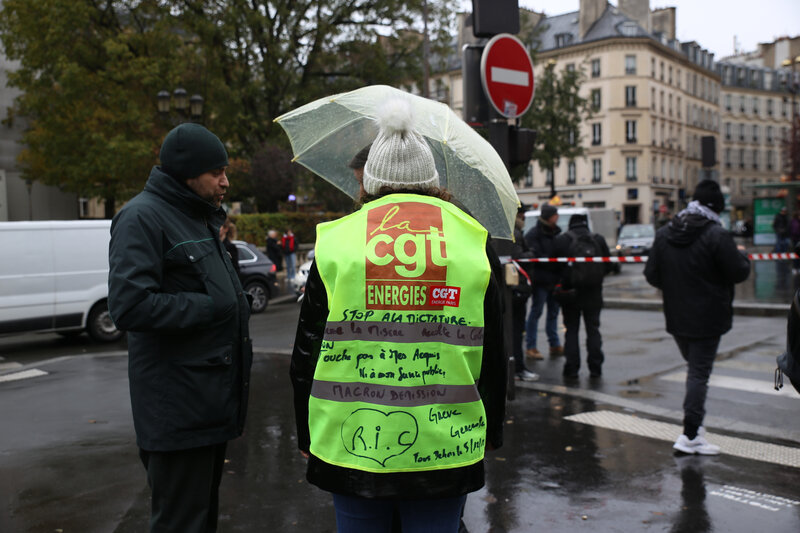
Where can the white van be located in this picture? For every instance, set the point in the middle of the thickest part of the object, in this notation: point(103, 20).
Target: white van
point(54, 277)
point(601, 220)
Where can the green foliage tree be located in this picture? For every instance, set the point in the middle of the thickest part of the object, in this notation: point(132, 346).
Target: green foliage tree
point(88, 72)
point(557, 112)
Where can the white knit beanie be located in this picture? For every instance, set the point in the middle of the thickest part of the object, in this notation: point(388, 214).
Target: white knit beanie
point(399, 157)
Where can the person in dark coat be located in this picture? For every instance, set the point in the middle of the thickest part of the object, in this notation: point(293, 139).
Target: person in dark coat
point(780, 225)
point(519, 293)
point(695, 263)
point(274, 251)
point(586, 299)
point(173, 288)
point(227, 233)
point(545, 276)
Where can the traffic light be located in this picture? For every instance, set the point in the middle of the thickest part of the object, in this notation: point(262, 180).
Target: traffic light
point(490, 17)
point(521, 141)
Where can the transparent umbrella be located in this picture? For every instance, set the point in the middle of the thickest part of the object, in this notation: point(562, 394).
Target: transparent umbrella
point(327, 133)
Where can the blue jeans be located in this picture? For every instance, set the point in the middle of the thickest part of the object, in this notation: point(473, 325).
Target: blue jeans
point(542, 295)
point(289, 259)
point(365, 515)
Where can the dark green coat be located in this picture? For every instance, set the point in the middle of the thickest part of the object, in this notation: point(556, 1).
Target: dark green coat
point(173, 289)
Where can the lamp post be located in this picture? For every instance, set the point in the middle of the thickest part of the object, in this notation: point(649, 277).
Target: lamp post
point(190, 108)
point(551, 66)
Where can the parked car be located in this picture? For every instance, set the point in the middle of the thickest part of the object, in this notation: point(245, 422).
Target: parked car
point(54, 277)
point(257, 275)
point(635, 239)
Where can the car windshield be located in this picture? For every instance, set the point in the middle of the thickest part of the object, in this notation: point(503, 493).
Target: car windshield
point(636, 231)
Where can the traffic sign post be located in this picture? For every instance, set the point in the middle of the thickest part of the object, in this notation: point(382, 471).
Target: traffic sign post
point(507, 75)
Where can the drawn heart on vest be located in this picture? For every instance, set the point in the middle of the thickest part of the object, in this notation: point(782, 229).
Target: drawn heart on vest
point(379, 436)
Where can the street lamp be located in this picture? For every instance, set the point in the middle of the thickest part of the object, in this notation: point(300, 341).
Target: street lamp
point(187, 107)
point(550, 66)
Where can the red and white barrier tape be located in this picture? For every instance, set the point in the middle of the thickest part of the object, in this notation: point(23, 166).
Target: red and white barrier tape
point(639, 258)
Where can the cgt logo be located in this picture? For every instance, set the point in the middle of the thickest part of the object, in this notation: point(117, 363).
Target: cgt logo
point(406, 256)
point(445, 296)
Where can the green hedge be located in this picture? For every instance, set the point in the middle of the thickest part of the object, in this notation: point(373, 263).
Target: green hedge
point(253, 228)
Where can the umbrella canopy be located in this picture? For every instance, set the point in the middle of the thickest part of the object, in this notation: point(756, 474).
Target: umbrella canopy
point(327, 133)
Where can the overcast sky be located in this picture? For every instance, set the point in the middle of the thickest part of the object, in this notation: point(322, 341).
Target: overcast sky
point(712, 23)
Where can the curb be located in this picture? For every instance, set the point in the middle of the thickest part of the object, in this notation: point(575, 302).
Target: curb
point(739, 308)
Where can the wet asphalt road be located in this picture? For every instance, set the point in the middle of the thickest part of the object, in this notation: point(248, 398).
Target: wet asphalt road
point(68, 460)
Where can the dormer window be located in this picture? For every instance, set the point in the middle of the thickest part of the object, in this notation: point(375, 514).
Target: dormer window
point(563, 39)
point(629, 28)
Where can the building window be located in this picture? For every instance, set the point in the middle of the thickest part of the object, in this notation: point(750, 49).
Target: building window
point(597, 171)
point(769, 107)
point(570, 67)
point(727, 158)
point(678, 78)
point(741, 157)
point(563, 39)
point(769, 159)
point(630, 169)
point(630, 96)
point(742, 103)
point(548, 177)
point(741, 132)
point(630, 131)
point(755, 159)
point(769, 134)
point(630, 64)
point(755, 133)
point(662, 71)
point(727, 131)
point(596, 99)
point(678, 107)
point(529, 176)
point(653, 67)
point(597, 134)
point(653, 98)
point(595, 68)
point(755, 105)
point(571, 173)
point(571, 137)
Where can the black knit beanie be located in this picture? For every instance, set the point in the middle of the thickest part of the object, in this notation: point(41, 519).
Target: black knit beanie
point(709, 194)
point(190, 150)
point(548, 211)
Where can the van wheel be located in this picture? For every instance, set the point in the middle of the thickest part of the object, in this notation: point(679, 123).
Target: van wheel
point(260, 295)
point(99, 325)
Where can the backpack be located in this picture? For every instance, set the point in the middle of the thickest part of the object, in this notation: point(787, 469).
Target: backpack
point(585, 274)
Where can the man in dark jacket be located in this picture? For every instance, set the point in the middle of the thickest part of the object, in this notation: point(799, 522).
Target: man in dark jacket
point(545, 276)
point(173, 288)
point(695, 263)
point(584, 282)
point(780, 225)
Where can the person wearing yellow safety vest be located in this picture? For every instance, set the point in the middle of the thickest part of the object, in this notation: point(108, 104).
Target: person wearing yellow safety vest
point(398, 366)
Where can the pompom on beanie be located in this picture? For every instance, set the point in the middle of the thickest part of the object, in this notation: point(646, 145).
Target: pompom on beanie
point(190, 150)
point(399, 157)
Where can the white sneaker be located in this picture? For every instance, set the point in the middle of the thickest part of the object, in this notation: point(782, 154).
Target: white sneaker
point(527, 375)
point(698, 445)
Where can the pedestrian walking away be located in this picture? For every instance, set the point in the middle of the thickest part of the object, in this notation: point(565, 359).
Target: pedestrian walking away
point(288, 249)
point(695, 263)
point(780, 225)
point(539, 240)
point(399, 368)
point(583, 283)
point(173, 288)
point(274, 251)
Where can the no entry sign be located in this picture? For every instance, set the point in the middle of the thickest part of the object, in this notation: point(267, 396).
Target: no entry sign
point(507, 75)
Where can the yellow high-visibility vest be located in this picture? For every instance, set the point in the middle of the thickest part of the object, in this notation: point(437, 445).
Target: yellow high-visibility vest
point(395, 383)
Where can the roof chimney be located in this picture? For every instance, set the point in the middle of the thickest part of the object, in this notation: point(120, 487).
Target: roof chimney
point(591, 10)
point(638, 10)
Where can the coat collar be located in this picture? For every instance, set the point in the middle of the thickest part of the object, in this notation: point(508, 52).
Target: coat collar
point(182, 197)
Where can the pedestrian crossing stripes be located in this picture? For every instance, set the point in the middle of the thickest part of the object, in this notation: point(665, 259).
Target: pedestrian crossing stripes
point(741, 384)
point(9, 366)
point(25, 374)
point(738, 447)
